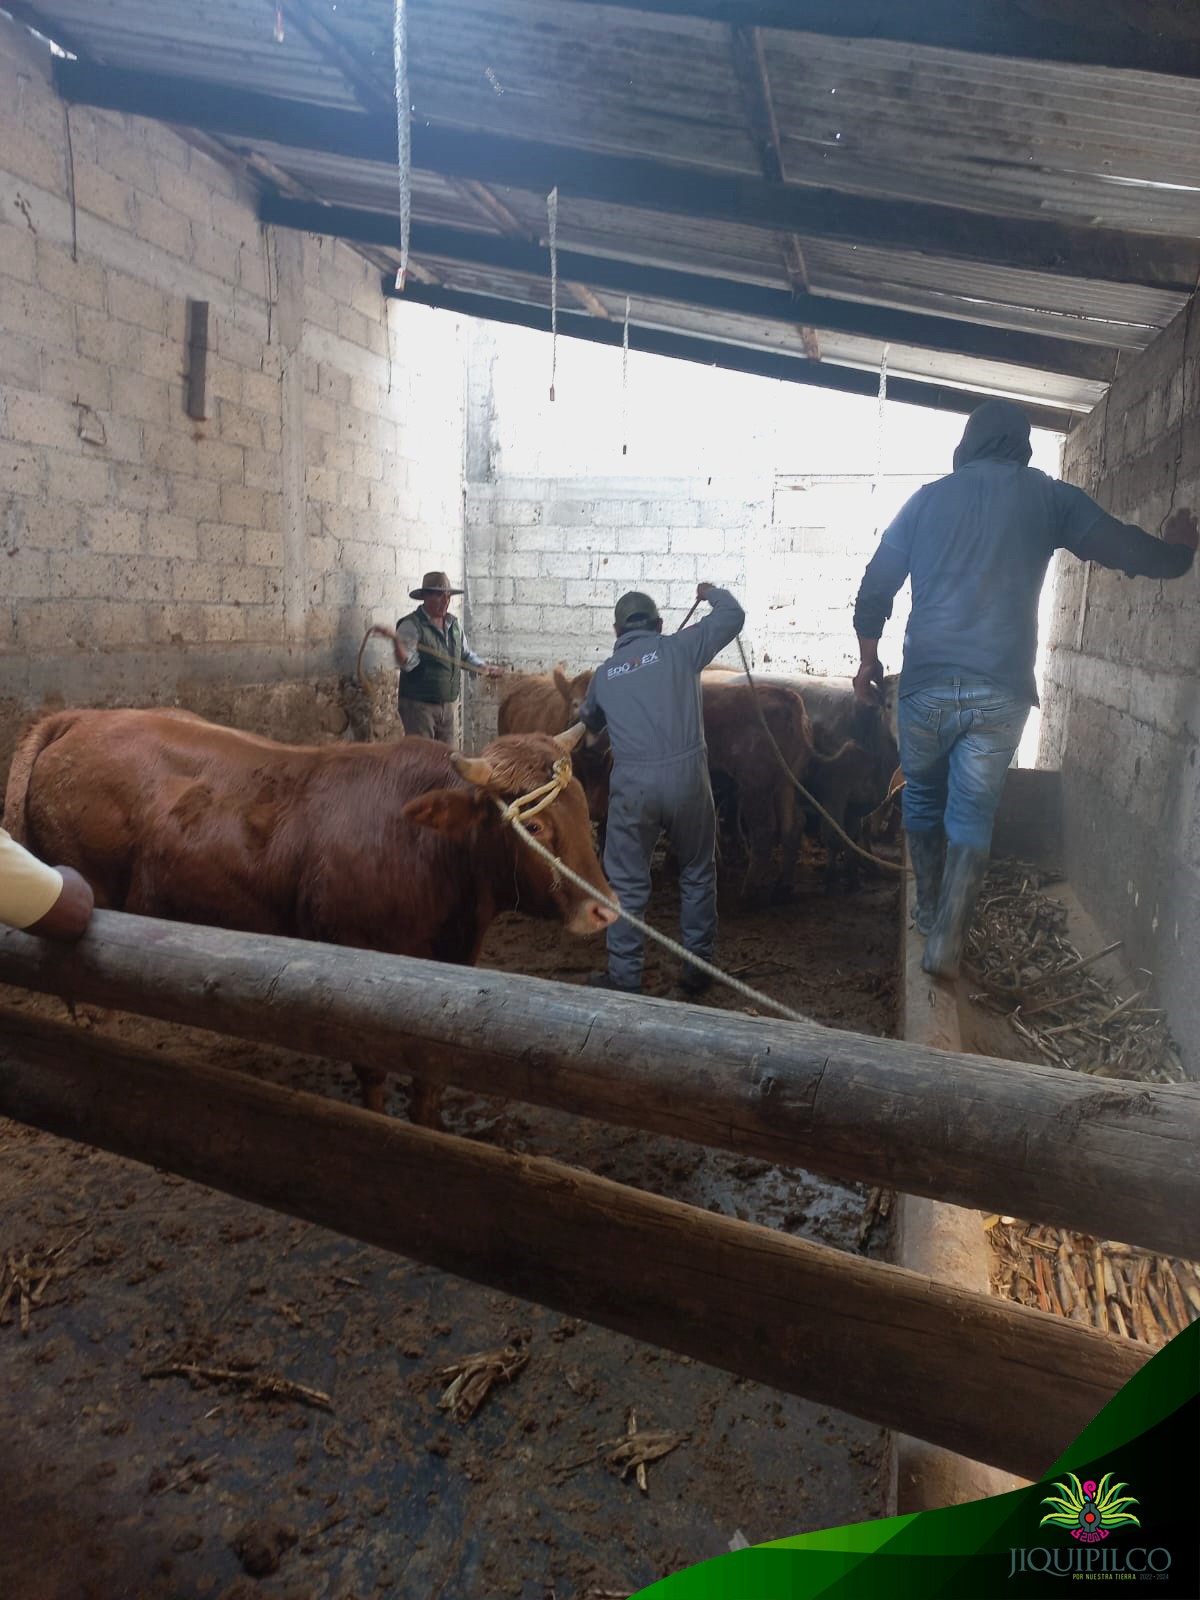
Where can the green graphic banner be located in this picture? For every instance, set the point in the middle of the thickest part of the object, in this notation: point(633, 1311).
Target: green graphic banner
point(1119, 1512)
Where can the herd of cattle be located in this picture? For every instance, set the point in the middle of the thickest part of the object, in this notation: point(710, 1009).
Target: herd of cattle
point(843, 753)
point(400, 847)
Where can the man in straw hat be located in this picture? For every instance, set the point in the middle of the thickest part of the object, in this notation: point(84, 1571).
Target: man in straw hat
point(430, 650)
point(648, 695)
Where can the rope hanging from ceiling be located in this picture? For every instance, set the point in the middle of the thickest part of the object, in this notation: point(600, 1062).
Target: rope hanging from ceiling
point(625, 382)
point(403, 131)
point(552, 225)
point(883, 361)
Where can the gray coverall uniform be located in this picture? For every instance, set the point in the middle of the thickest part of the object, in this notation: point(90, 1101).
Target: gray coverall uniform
point(648, 693)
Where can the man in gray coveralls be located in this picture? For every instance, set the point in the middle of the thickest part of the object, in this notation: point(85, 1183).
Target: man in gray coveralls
point(648, 694)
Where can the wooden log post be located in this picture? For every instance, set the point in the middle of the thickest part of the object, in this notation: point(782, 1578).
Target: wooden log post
point(1119, 1160)
point(998, 1381)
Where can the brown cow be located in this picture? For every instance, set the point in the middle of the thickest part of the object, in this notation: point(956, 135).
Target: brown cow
point(740, 757)
point(853, 788)
point(543, 702)
point(395, 847)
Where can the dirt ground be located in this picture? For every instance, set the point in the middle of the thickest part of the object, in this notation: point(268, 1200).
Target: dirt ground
point(116, 1484)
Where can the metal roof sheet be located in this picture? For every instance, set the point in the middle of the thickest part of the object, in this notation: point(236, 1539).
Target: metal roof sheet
point(225, 41)
point(1025, 137)
point(984, 133)
point(988, 377)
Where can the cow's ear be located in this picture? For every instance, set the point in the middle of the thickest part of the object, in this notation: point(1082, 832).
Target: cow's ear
point(453, 812)
point(562, 685)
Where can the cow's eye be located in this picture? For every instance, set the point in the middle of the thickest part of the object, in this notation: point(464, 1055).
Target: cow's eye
point(533, 827)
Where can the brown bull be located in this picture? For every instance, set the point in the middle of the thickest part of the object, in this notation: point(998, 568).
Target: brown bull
point(545, 702)
point(741, 758)
point(394, 847)
point(855, 786)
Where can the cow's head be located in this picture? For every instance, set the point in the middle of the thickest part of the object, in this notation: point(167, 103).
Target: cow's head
point(510, 767)
point(573, 690)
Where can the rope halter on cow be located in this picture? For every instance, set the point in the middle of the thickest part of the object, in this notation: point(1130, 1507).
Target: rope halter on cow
point(517, 812)
point(528, 805)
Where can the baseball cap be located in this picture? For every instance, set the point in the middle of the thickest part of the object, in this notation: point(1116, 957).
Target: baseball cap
point(634, 607)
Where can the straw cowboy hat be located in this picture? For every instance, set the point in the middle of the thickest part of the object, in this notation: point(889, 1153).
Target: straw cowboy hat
point(433, 583)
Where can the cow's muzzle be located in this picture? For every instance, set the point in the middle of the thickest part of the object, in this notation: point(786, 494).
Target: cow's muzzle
point(590, 916)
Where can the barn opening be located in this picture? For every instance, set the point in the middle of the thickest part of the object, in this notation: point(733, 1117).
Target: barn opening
point(822, 250)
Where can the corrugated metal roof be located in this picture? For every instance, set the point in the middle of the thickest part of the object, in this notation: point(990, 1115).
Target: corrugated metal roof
point(980, 133)
point(988, 377)
point(1122, 315)
point(1027, 137)
point(600, 79)
point(371, 186)
point(224, 41)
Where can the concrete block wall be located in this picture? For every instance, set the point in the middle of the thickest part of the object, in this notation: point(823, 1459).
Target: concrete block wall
point(228, 565)
point(560, 521)
point(1122, 712)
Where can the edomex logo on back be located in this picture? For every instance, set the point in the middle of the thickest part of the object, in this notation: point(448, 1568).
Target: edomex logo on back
point(1090, 1510)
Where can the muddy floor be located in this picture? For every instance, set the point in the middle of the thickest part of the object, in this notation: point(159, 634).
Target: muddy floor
point(113, 1483)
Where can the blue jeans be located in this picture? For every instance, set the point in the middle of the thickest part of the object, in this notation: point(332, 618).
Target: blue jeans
point(957, 742)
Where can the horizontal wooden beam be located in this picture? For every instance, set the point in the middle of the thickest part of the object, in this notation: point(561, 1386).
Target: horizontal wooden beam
point(1119, 1160)
point(1093, 33)
point(794, 310)
point(1034, 243)
point(893, 1347)
point(762, 363)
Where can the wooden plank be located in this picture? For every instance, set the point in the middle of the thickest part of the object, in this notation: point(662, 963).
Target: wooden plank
point(1114, 1160)
point(1041, 352)
point(197, 319)
point(760, 362)
point(1086, 32)
point(798, 1316)
point(1035, 243)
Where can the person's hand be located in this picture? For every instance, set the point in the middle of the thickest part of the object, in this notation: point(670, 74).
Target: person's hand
point(703, 591)
point(868, 683)
point(493, 671)
point(69, 915)
point(1180, 528)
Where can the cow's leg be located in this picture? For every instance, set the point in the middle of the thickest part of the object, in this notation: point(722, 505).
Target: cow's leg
point(788, 826)
point(836, 805)
point(425, 1105)
point(757, 813)
point(372, 1082)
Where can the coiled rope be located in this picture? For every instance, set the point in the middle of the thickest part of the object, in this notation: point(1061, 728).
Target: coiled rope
point(378, 630)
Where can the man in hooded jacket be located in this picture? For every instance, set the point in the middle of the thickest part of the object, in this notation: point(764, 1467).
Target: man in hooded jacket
point(977, 545)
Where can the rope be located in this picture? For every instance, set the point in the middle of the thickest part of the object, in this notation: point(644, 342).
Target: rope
point(891, 866)
point(552, 228)
point(512, 814)
point(883, 375)
point(377, 630)
point(403, 132)
point(625, 381)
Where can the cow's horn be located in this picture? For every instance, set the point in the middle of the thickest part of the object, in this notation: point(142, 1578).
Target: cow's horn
point(475, 769)
point(567, 741)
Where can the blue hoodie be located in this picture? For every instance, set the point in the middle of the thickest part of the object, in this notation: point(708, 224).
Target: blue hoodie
point(977, 545)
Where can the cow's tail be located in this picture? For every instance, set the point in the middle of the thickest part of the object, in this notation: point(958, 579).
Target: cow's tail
point(39, 733)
